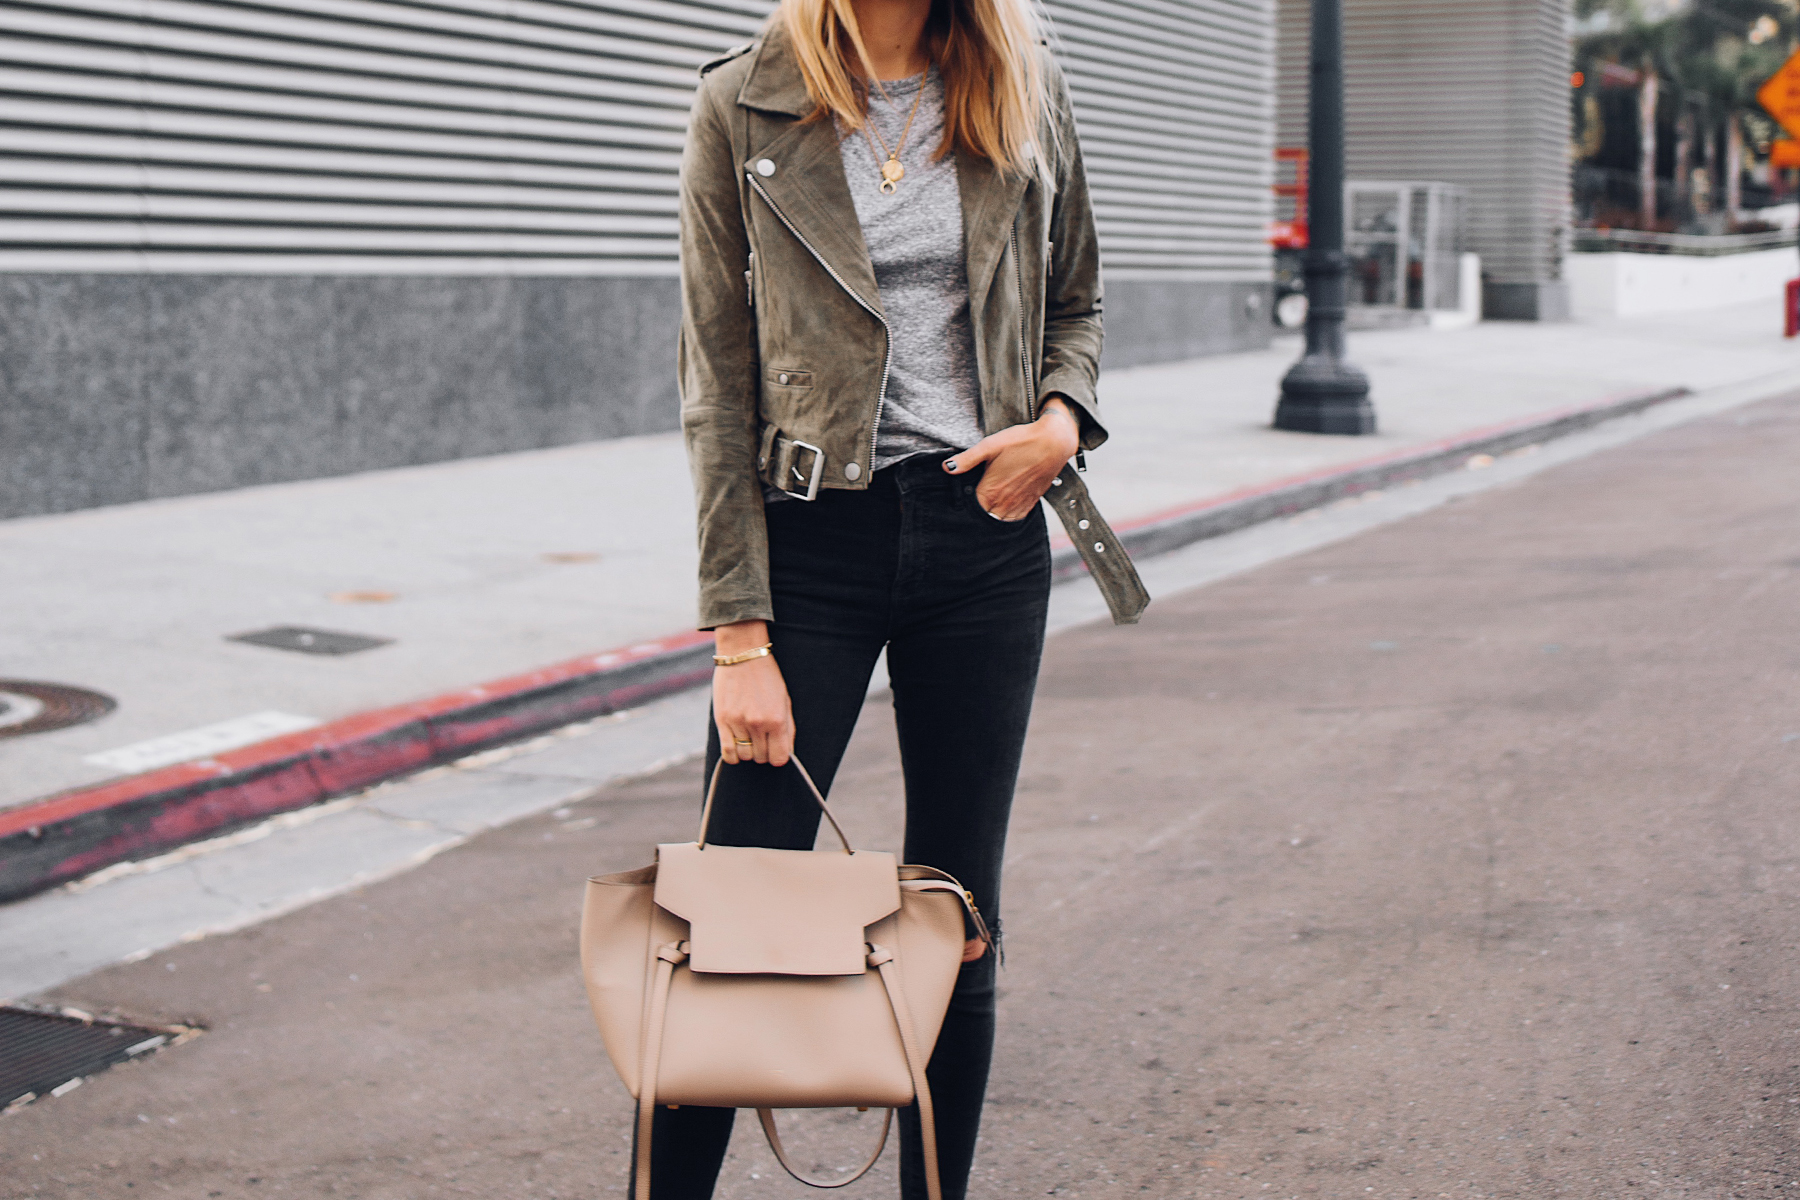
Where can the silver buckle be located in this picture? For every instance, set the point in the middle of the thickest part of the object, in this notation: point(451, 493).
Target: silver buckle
point(818, 470)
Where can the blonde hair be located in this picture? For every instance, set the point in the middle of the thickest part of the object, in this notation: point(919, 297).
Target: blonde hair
point(986, 51)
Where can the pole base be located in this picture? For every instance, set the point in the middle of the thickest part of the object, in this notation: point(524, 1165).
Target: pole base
point(1325, 395)
point(1355, 418)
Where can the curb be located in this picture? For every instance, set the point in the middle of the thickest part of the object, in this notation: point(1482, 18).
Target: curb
point(1174, 528)
point(74, 833)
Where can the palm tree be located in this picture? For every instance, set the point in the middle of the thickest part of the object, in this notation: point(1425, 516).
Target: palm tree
point(1624, 35)
point(1698, 63)
point(1724, 50)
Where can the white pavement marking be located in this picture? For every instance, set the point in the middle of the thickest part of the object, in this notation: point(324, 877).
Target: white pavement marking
point(199, 743)
point(132, 910)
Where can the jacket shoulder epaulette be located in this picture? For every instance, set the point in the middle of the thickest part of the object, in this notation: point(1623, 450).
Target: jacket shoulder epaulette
point(712, 64)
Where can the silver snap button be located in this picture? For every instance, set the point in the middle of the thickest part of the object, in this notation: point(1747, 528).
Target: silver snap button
point(1100, 547)
point(1057, 482)
point(762, 462)
point(1082, 525)
point(781, 378)
point(765, 167)
point(852, 471)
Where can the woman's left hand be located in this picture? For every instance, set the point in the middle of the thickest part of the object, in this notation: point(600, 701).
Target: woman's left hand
point(1021, 461)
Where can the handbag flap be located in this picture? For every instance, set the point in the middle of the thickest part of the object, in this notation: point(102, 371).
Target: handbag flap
point(779, 912)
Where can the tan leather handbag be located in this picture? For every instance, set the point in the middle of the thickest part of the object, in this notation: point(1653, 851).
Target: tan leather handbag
point(741, 977)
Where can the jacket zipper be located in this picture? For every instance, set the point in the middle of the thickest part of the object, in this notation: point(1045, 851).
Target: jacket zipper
point(888, 339)
point(1024, 349)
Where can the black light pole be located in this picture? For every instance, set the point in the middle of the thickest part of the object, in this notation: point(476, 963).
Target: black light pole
point(1322, 393)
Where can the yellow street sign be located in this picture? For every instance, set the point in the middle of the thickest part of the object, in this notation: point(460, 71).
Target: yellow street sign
point(1781, 95)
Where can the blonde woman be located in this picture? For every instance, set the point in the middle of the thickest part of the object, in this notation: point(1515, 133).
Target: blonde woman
point(890, 336)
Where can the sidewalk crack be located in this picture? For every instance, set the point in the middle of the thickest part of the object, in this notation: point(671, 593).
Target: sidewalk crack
point(412, 822)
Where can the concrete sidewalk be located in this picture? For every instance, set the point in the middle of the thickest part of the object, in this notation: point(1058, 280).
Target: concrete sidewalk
point(486, 568)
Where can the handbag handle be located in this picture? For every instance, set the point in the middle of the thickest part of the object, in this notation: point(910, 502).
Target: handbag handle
point(712, 789)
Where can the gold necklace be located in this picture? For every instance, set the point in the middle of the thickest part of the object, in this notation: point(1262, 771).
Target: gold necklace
point(891, 170)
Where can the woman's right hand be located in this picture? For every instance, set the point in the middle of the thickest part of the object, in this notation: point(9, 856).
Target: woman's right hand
point(750, 699)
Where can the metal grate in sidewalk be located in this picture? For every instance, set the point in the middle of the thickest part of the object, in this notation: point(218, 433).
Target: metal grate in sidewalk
point(28, 706)
point(49, 1052)
point(306, 640)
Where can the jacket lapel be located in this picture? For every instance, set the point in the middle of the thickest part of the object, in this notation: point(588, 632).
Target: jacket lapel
point(807, 184)
point(990, 201)
point(808, 189)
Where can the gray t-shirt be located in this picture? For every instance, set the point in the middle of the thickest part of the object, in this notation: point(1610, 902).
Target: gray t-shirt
point(915, 241)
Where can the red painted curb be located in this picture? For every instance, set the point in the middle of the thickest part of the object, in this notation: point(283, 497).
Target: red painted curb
point(1160, 532)
point(68, 835)
point(1462, 443)
point(65, 836)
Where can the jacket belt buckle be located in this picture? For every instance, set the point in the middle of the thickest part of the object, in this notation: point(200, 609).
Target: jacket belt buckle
point(818, 471)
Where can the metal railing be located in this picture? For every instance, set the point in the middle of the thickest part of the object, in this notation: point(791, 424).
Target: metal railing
point(1636, 241)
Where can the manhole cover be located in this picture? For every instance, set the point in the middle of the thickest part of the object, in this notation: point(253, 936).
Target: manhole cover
point(29, 707)
point(309, 641)
point(49, 1053)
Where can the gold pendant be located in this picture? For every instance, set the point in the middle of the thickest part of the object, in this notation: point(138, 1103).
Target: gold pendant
point(891, 173)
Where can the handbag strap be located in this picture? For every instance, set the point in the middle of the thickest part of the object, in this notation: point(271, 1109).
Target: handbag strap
point(767, 1117)
point(882, 959)
point(671, 955)
point(667, 956)
point(712, 790)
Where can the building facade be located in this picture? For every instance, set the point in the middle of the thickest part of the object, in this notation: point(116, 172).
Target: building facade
point(1470, 92)
point(247, 243)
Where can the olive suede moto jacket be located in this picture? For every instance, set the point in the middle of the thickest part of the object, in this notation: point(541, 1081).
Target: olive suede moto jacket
point(784, 346)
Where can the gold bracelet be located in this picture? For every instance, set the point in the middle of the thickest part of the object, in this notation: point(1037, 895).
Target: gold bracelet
point(732, 660)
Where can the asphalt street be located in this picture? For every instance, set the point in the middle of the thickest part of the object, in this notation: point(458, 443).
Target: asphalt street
point(1455, 859)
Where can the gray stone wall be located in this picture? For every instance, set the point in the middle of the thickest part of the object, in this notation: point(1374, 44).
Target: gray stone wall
point(1547, 301)
point(1151, 322)
point(130, 387)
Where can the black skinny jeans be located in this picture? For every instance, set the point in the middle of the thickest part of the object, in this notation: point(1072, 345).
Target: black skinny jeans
point(958, 599)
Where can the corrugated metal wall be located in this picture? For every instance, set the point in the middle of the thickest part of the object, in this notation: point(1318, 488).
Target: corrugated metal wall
point(1472, 92)
point(348, 135)
point(539, 136)
point(1176, 104)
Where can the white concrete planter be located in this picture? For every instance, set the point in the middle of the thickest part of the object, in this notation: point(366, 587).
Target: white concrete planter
point(1634, 285)
point(1468, 313)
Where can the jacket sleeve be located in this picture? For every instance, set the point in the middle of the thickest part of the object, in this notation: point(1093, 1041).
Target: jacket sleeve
point(717, 365)
point(1072, 289)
